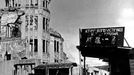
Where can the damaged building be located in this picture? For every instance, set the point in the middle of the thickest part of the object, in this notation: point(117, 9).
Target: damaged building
point(26, 38)
point(31, 28)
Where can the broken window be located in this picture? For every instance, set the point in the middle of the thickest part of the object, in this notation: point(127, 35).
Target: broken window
point(16, 31)
point(31, 19)
point(47, 43)
point(31, 22)
point(44, 23)
point(35, 45)
point(57, 46)
point(36, 22)
point(31, 44)
point(54, 45)
point(27, 22)
point(44, 44)
point(56, 60)
point(46, 3)
point(43, 3)
point(47, 20)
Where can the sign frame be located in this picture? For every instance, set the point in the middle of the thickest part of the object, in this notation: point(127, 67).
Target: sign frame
point(102, 37)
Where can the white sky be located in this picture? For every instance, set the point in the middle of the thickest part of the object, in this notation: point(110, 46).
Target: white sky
point(67, 16)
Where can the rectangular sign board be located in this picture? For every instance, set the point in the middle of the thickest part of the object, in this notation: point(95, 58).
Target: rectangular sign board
point(102, 37)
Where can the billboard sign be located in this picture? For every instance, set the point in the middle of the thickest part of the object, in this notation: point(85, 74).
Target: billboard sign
point(102, 37)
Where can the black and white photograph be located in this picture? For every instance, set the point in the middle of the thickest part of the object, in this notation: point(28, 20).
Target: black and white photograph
point(66, 37)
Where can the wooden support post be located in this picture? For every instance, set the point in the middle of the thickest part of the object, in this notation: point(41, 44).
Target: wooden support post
point(84, 65)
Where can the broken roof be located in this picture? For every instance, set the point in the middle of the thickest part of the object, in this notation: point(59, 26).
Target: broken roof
point(55, 33)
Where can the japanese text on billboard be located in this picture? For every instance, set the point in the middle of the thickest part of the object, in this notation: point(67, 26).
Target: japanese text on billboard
point(102, 37)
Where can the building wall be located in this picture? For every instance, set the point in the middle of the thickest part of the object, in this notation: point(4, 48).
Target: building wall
point(52, 49)
point(6, 68)
point(56, 47)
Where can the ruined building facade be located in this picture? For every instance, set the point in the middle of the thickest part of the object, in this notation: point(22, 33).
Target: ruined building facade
point(26, 34)
point(26, 39)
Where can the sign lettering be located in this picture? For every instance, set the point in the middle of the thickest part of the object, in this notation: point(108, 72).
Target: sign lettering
point(102, 37)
